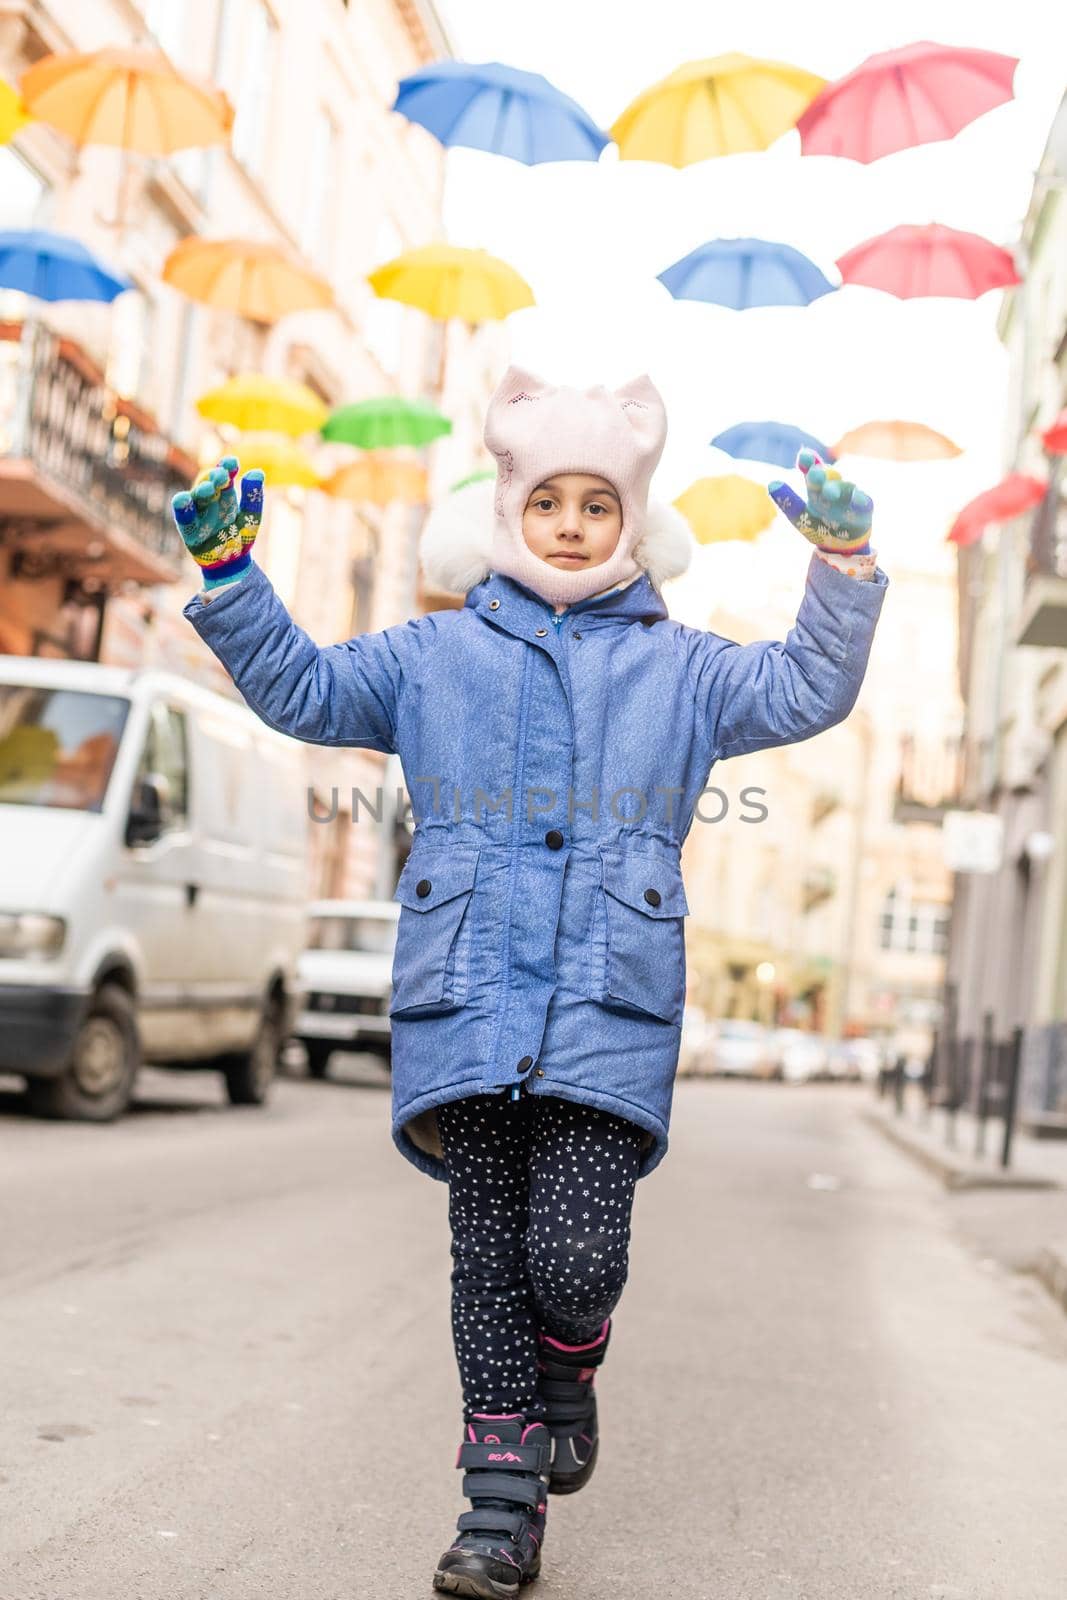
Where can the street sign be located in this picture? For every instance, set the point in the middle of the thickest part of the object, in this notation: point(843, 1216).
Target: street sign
point(973, 841)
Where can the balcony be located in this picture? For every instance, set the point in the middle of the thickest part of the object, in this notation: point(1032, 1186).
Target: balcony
point(85, 476)
point(930, 779)
point(1043, 615)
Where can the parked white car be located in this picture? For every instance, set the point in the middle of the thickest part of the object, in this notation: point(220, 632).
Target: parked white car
point(153, 883)
point(345, 979)
point(800, 1055)
point(741, 1049)
point(695, 1046)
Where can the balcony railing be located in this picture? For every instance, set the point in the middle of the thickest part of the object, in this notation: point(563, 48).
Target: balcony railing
point(74, 453)
point(930, 780)
point(1043, 619)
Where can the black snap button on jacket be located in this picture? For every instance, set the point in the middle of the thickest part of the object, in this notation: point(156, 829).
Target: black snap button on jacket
point(653, 896)
point(554, 839)
point(423, 887)
point(525, 1064)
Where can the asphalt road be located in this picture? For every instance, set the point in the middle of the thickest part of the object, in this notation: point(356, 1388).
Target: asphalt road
point(227, 1371)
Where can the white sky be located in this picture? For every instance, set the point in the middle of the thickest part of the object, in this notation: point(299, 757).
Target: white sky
point(590, 239)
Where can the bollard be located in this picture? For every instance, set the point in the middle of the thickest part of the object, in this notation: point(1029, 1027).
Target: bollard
point(985, 1059)
point(1012, 1092)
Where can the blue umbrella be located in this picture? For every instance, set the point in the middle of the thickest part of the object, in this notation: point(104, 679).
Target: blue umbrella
point(746, 272)
point(775, 442)
point(500, 109)
point(52, 266)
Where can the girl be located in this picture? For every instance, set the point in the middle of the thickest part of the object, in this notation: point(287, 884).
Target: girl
point(555, 735)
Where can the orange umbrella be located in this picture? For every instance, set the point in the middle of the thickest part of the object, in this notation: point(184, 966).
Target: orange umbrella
point(13, 113)
point(897, 441)
point(131, 98)
point(256, 280)
point(377, 480)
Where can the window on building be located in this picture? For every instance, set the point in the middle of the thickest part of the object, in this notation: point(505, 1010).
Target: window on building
point(24, 194)
point(384, 330)
point(246, 54)
point(918, 927)
point(130, 369)
point(166, 23)
point(319, 215)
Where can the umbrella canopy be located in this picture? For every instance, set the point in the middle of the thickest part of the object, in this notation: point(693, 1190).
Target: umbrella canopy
point(131, 98)
point(377, 480)
point(1010, 498)
point(386, 422)
point(284, 465)
point(13, 113)
point(488, 106)
point(264, 405)
point(746, 272)
point(446, 280)
point(260, 281)
point(482, 476)
point(775, 442)
point(1054, 439)
point(52, 266)
point(917, 95)
point(727, 507)
point(915, 262)
point(717, 107)
point(897, 441)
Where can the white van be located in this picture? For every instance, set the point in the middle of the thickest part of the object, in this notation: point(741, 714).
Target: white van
point(154, 876)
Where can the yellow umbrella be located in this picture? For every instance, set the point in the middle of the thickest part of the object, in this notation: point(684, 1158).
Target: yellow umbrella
point(284, 465)
point(13, 113)
point(377, 480)
point(445, 280)
point(131, 98)
point(717, 107)
point(269, 405)
point(897, 441)
point(728, 507)
point(257, 280)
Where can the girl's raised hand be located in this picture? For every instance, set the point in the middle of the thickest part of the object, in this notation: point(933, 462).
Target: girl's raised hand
point(837, 516)
point(218, 529)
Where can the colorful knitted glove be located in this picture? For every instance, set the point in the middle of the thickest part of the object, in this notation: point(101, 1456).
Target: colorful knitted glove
point(218, 532)
point(836, 519)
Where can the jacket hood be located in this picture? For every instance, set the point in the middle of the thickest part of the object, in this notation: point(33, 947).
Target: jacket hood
point(457, 538)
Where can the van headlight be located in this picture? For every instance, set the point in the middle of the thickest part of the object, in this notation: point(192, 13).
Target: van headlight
point(30, 933)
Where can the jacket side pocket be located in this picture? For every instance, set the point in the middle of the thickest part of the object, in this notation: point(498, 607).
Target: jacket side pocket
point(641, 913)
point(433, 938)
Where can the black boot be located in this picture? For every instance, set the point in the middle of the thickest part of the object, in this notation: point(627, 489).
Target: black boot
point(566, 1375)
point(505, 1461)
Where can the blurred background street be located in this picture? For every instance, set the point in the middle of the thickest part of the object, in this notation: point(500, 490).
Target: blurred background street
point(215, 1324)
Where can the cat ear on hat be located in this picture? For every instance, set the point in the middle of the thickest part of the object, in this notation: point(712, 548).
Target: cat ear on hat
point(519, 381)
point(642, 406)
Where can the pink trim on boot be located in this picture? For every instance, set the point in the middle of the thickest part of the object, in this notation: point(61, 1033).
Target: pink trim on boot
point(559, 1345)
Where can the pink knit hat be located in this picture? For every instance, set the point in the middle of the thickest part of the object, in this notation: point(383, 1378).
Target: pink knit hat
point(536, 431)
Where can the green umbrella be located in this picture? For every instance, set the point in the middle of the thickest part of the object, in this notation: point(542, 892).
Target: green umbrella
point(474, 477)
point(380, 424)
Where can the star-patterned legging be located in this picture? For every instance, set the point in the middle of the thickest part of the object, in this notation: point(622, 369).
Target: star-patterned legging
point(540, 1192)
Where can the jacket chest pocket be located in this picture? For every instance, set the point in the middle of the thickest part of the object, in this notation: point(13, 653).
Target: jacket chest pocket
point(431, 963)
point(639, 935)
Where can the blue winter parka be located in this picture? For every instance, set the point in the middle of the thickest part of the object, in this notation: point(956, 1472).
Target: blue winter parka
point(553, 771)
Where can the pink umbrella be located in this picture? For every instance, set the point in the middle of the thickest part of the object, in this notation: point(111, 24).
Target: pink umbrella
point(1054, 439)
point(1010, 498)
point(931, 260)
point(917, 95)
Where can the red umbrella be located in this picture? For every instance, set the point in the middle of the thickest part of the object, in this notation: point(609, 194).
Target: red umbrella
point(917, 95)
point(932, 260)
point(1016, 494)
point(1054, 439)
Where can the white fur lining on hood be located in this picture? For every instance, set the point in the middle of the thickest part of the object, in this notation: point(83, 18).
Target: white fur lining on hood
point(457, 538)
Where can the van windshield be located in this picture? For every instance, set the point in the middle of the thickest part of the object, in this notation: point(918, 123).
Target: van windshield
point(58, 746)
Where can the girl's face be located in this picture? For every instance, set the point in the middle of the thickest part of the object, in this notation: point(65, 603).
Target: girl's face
point(572, 521)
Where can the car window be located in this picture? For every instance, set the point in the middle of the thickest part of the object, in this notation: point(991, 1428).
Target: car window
point(165, 755)
point(58, 746)
point(369, 935)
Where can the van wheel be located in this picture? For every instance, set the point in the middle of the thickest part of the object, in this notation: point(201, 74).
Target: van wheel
point(318, 1059)
point(250, 1074)
point(97, 1083)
